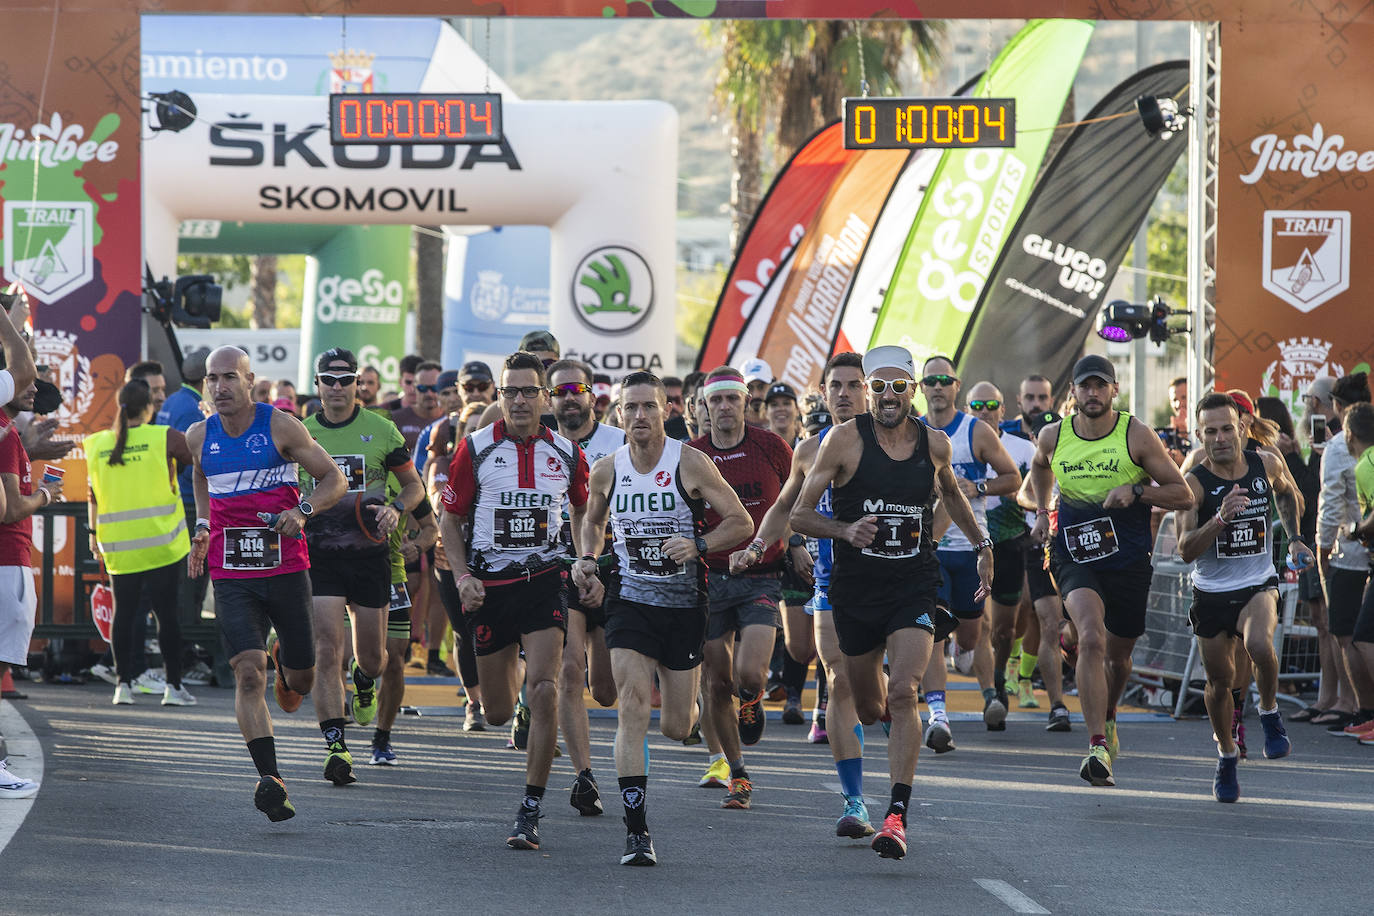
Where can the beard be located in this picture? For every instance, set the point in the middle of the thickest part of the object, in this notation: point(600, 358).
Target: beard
point(573, 416)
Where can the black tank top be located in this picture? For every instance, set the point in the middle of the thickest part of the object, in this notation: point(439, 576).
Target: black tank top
point(1241, 556)
point(901, 495)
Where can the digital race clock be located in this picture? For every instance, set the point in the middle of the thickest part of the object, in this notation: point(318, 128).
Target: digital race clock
point(409, 118)
point(959, 123)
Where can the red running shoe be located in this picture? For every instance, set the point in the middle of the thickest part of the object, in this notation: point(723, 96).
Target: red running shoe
point(890, 843)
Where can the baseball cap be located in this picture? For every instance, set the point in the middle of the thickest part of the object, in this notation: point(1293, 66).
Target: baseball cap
point(780, 390)
point(756, 370)
point(335, 355)
point(285, 404)
point(475, 370)
point(1093, 366)
point(889, 357)
point(1039, 421)
point(448, 379)
point(540, 340)
point(193, 364)
point(1321, 389)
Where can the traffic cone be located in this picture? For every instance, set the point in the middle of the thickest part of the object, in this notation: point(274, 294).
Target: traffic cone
point(7, 690)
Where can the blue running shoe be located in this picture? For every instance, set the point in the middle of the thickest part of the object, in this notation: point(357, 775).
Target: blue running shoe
point(855, 823)
point(1225, 786)
point(383, 756)
point(1276, 743)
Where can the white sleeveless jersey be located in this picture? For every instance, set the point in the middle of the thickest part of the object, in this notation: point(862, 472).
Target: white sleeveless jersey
point(603, 441)
point(647, 510)
point(965, 465)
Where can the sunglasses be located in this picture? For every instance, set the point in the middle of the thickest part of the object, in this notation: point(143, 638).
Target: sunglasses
point(945, 380)
point(336, 381)
point(882, 385)
point(570, 389)
point(424, 388)
point(989, 404)
point(529, 392)
point(476, 386)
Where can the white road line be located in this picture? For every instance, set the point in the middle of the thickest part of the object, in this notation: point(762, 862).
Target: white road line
point(26, 756)
point(1017, 901)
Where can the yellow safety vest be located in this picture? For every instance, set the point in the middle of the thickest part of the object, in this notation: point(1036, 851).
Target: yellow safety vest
point(140, 522)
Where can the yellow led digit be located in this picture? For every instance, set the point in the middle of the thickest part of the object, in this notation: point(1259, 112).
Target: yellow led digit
point(968, 114)
point(1000, 123)
point(859, 112)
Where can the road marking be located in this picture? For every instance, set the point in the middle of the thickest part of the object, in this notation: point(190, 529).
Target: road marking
point(1017, 901)
point(26, 756)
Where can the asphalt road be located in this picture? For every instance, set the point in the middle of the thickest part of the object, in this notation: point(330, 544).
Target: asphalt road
point(148, 810)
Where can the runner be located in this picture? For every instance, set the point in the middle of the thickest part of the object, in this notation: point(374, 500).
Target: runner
point(756, 463)
point(884, 466)
point(1103, 460)
point(842, 381)
point(570, 385)
point(654, 489)
point(1235, 590)
point(509, 481)
point(976, 449)
point(245, 456)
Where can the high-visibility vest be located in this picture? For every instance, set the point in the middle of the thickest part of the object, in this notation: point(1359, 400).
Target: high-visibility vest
point(140, 522)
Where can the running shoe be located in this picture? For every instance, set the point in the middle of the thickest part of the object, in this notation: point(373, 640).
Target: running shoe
point(792, 711)
point(751, 720)
point(473, 720)
point(1225, 785)
point(938, 736)
point(12, 786)
point(520, 729)
point(382, 756)
point(694, 736)
point(437, 668)
point(854, 823)
point(525, 834)
point(288, 699)
point(818, 734)
point(741, 791)
point(1097, 766)
point(1368, 740)
point(1025, 695)
point(123, 696)
point(270, 798)
point(717, 775)
point(774, 690)
point(198, 675)
point(1059, 719)
point(639, 850)
point(585, 796)
point(1237, 732)
point(107, 674)
point(177, 696)
point(1114, 740)
point(890, 843)
point(1012, 672)
point(338, 766)
point(1276, 743)
point(364, 703)
point(151, 682)
point(995, 713)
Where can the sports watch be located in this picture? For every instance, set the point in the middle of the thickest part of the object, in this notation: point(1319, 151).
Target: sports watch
point(1138, 490)
point(982, 487)
point(700, 544)
point(796, 540)
point(306, 509)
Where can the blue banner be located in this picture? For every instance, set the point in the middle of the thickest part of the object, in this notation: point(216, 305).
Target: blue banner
point(496, 290)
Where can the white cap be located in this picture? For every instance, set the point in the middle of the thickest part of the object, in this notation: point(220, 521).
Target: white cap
point(756, 370)
point(889, 357)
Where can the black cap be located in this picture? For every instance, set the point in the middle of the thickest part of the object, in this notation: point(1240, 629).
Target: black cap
point(1039, 421)
point(540, 340)
point(336, 355)
point(1093, 366)
point(780, 390)
point(475, 369)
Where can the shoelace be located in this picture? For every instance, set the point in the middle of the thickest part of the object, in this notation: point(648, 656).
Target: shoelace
point(748, 712)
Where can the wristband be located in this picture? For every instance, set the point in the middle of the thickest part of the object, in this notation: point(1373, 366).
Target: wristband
point(464, 576)
point(47, 496)
point(756, 545)
point(1220, 520)
point(203, 523)
point(589, 556)
point(1042, 511)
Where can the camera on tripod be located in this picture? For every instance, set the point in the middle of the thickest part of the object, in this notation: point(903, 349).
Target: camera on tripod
point(191, 302)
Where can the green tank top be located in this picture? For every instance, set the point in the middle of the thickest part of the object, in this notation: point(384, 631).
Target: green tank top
point(1086, 471)
point(361, 448)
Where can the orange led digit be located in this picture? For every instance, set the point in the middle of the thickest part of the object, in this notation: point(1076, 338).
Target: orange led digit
point(354, 109)
point(911, 123)
point(413, 118)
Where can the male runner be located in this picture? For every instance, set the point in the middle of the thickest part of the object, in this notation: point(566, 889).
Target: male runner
point(1235, 590)
point(350, 572)
point(883, 466)
point(248, 529)
point(570, 388)
point(1103, 460)
point(976, 449)
point(509, 481)
point(842, 381)
point(755, 463)
point(654, 490)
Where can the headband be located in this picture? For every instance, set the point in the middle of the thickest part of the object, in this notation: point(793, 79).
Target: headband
point(726, 384)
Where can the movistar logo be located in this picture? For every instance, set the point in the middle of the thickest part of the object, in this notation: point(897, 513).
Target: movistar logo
point(613, 289)
point(878, 505)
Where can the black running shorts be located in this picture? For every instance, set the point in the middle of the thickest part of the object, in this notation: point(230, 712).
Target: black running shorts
point(1125, 592)
point(1218, 613)
point(1037, 575)
point(248, 608)
point(862, 628)
point(521, 607)
point(672, 636)
point(1008, 570)
point(363, 581)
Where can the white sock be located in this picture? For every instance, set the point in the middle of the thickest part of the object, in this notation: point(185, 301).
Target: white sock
point(1269, 712)
point(715, 757)
point(1235, 753)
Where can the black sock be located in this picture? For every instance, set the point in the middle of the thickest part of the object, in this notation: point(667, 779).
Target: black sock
point(361, 680)
point(1238, 698)
point(793, 674)
point(264, 754)
point(822, 685)
point(381, 737)
point(333, 731)
point(737, 770)
point(901, 797)
point(533, 795)
point(999, 679)
point(632, 791)
point(433, 656)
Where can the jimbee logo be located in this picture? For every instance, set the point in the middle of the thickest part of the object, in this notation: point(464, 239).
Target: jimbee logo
point(1306, 255)
point(613, 289)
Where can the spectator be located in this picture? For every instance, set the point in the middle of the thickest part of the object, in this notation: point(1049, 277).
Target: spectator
point(407, 397)
point(1318, 402)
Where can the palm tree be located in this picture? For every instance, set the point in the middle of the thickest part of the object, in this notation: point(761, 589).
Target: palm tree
point(797, 72)
point(264, 280)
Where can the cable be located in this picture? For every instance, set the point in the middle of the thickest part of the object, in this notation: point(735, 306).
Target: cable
point(42, 99)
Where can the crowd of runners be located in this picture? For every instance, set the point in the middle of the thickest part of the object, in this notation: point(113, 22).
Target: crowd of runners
point(696, 545)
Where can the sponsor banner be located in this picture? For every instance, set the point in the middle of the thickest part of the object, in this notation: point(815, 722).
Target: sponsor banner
point(275, 352)
point(977, 194)
point(804, 322)
point(777, 227)
point(1044, 294)
point(496, 290)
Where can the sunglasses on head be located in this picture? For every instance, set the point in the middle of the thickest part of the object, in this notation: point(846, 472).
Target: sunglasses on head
point(989, 404)
point(424, 388)
point(336, 381)
point(529, 392)
point(882, 385)
point(945, 380)
point(570, 389)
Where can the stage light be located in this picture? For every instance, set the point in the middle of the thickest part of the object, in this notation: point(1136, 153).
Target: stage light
point(1122, 322)
point(174, 110)
point(1161, 117)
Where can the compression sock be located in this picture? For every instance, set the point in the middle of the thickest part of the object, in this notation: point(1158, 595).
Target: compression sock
point(632, 790)
point(533, 796)
point(1015, 647)
point(822, 686)
point(851, 773)
point(859, 733)
point(1028, 662)
point(333, 731)
point(381, 737)
point(935, 701)
point(793, 675)
point(264, 754)
point(901, 797)
point(433, 657)
point(737, 770)
point(1238, 698)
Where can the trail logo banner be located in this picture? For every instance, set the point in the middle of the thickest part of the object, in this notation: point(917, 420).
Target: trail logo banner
point(613, 289)
point(1306, 255)
point(50, 246)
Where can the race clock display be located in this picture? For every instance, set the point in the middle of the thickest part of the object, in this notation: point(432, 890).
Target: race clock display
point(410, 118)
point(957, 123)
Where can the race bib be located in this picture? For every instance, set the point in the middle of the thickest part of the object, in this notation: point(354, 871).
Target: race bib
point(352, 467)
point(400, 596)
point(898, 537)
point(251, 548)
point(517, 529)
point(1246, 537)
point(648, 559)
point(1091, 541)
